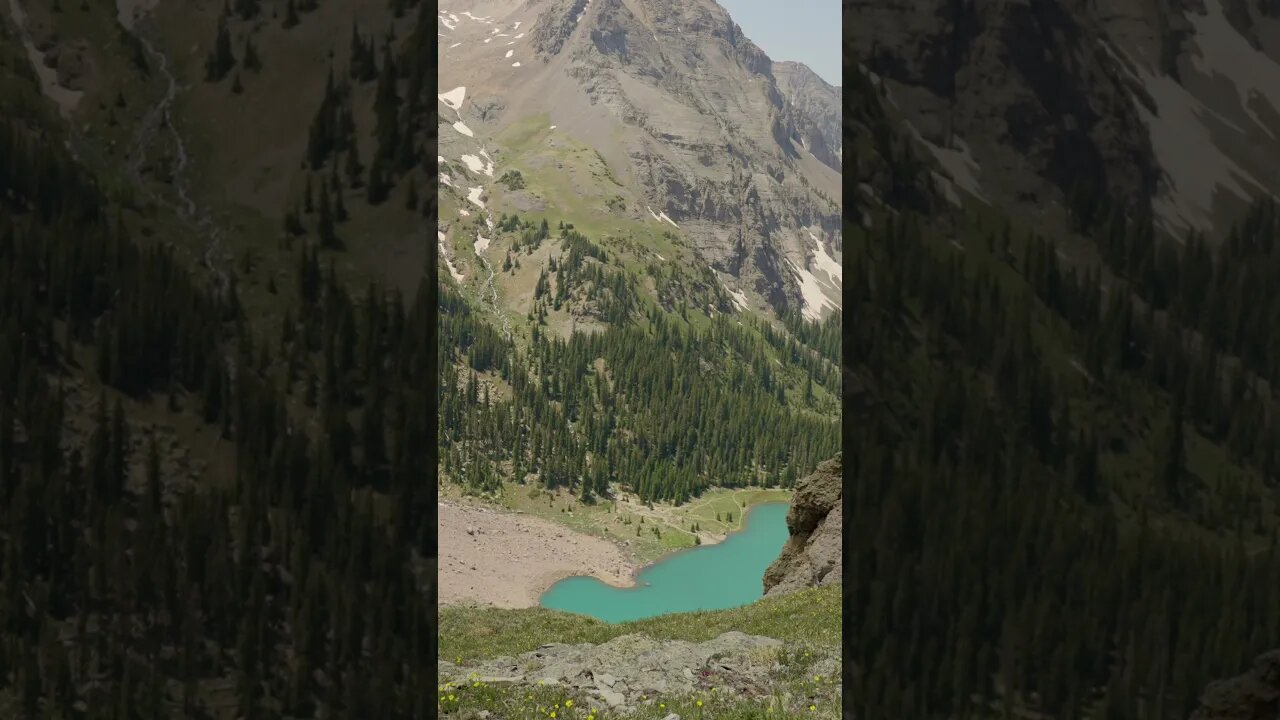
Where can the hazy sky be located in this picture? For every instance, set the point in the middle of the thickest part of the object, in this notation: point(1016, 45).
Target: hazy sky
point(806, 31)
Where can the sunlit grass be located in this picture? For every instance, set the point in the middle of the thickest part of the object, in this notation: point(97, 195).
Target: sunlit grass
point(810, 616)
point(813, 698)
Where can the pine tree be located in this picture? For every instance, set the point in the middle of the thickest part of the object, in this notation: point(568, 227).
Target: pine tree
point(411, 194)
point(376, 191)
point(221, 59)
point(339, 207)
point(247, 9)
point(236, 86)
point(324, 225)
point(251, 61)
point(290, 15)
point(353, 167)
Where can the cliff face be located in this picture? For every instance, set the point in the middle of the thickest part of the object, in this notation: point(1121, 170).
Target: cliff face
point(693, 123)
point(1254, 695)
point(1170, 106)
point(812, 555)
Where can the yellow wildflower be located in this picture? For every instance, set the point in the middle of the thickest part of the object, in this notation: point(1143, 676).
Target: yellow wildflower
point(699, 703)
point(812, 708)
point(568, 703)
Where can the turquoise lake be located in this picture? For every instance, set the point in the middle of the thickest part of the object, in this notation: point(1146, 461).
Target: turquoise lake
point(708, 577)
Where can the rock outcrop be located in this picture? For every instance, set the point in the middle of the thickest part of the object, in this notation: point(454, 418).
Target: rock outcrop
point(1254, 695)
point(812, 555)
point(691, 119)
point(1036, 101)
point(818, 110)
point(628, 670)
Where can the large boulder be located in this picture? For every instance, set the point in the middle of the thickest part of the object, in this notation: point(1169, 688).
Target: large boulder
point(813, 553)
point(1254, 695)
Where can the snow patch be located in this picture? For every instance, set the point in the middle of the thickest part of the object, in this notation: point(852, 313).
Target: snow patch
point(462, 128)
point(457, 276)
point(1194, 166)
point(519, 36)
point(464, 212)
point(815, 301)
point(958, 162)
point(446, 180)
point(1223, 51)
point(516, 25)
point(510, 53)
point(481, 244)
point(515, 64)
point(826, 263)
point(446, 23)
point(474, 196)
point(476, 165)
point(652, 213)
point(553, 127)
point(663, 215)
point(454, 97)
point(454, 45)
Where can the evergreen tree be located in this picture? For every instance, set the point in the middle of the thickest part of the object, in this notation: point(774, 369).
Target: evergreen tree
point(251, 62)
point(220, 59)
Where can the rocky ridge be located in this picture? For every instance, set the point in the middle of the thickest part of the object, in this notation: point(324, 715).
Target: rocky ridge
point(1255, 695)
point(689, 114)
point(1168, 106)
point(641, 669)
point(813, 553)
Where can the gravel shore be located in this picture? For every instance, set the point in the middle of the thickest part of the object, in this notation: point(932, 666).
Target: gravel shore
point(491, 557)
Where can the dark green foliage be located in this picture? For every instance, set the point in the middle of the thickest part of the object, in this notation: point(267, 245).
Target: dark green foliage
point(364, 66)
point(377, 189)
point(1004, 531)
point(512, 179)
point(247, 9)
point(251, 61)
point(290, 15)
point(411, 194)
point(220, 59)
point(275, 572)
point(695, 408)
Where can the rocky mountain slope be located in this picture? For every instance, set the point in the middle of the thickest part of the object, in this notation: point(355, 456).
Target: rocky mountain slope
point(681, 115)
point(1170, 107)
point(624, 672)
point(812, 555)
point(817, 106)
point(780, 653)
point(1253, 695)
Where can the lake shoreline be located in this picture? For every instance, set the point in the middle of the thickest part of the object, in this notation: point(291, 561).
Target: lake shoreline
point(508, 560)
point(581, 585)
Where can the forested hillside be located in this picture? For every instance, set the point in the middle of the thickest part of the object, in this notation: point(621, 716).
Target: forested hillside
point(661, 403)
point(1061, 464)
point(284, 570)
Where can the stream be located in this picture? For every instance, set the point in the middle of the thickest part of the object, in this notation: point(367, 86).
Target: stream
point(198, 217)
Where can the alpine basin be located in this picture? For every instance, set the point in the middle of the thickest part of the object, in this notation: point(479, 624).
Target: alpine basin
point(707, 577)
